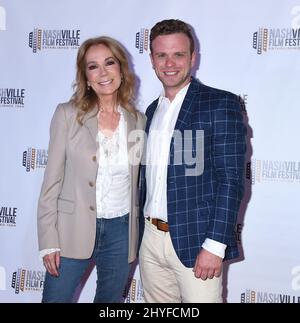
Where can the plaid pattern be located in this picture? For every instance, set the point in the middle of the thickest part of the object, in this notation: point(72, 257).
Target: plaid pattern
point(206, 205)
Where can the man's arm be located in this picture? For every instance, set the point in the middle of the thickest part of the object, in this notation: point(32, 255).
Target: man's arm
point(228, 154)
point(228, 160)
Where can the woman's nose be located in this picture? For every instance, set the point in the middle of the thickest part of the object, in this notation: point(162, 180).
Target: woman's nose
point(102, 70)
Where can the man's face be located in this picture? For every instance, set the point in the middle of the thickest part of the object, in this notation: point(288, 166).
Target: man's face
point(172, 61)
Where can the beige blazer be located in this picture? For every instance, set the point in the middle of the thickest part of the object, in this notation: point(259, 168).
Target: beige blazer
point(67, 205)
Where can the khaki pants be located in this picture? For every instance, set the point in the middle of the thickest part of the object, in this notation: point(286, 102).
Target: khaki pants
point(165, 279)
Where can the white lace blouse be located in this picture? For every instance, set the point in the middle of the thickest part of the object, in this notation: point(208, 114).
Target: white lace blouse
point(112, 184)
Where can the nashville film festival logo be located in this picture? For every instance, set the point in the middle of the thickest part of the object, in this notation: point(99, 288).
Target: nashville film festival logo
point(12, 98)
point(134, 291)
point(273, 171)
point(34, 158)
point(54, 39)
point(27, 280)
point(142, 40)
point(252, 296)
point(276, 39)
point(8, 216)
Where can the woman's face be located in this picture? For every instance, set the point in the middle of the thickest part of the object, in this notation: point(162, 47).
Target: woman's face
point(103, 71)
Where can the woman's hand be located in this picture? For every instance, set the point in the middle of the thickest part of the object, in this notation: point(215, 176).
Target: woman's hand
point(52, 262)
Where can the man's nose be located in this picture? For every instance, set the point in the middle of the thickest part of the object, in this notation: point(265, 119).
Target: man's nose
point(170, 62)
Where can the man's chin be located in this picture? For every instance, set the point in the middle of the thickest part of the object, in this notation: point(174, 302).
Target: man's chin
point(170, 83)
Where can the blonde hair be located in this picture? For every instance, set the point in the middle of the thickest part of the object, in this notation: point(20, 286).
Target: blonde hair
point(84, 98)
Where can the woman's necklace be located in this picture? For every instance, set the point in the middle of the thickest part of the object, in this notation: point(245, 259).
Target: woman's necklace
point(109, 144)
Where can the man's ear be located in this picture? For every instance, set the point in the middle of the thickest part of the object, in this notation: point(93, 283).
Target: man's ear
point(151, 58)
point(193, 58)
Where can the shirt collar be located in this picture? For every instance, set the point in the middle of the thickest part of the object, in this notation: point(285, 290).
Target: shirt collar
point(180, 95)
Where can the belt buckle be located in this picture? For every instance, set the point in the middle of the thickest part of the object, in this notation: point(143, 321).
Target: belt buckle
point(161, 222)
point(158, 223)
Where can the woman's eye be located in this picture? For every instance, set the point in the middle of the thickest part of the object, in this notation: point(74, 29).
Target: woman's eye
point(92, 67)
point(110, 62)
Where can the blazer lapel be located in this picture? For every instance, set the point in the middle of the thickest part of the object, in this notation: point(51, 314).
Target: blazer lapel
point(184, 116)
point(90, 121)
point(186, 109)
point(149, 113)
point(130, 125)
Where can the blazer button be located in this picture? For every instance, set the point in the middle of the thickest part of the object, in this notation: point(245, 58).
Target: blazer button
point(92, 208)
point(91, 184)
point(94, 158)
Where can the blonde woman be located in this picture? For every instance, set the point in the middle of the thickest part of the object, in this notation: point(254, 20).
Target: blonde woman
point(87, 207)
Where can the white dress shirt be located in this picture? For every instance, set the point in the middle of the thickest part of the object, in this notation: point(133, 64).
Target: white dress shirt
point(157, 154)
point(157, 157)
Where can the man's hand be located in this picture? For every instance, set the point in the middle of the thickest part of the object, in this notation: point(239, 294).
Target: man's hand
point(52, 262)
point(207, 265)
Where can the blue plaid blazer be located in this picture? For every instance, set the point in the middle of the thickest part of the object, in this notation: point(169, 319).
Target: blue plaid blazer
point(206, 205)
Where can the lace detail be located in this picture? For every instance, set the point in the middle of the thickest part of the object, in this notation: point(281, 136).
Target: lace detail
point(110, 145)
point(112, 184)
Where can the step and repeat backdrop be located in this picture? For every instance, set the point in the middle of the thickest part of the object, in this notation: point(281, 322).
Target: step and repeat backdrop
point(251, 48)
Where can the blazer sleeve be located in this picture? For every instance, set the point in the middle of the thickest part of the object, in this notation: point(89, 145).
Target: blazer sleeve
point(228, 153)
point(52, 183)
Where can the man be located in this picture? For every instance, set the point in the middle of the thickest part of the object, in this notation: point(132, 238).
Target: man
point(190, 213)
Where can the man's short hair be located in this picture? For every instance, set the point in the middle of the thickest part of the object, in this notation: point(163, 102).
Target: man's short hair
point(172, 26)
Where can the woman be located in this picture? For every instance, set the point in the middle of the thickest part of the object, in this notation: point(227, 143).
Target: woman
point(87, 206)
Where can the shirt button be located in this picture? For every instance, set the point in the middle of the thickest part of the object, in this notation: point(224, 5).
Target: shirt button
point(91, 184)
point(94, 158)
point(92, 208)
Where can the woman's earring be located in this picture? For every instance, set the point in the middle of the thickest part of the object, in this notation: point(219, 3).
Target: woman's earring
point(88, 87)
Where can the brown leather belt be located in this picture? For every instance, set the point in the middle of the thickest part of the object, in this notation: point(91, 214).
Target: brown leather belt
point(160, 224)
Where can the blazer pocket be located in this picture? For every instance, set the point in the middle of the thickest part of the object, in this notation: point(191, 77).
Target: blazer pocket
point(65, 206)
